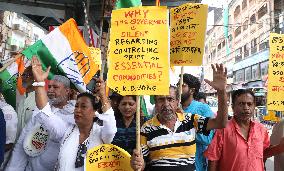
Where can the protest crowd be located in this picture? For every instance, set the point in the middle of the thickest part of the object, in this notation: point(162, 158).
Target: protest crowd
point(58, 121)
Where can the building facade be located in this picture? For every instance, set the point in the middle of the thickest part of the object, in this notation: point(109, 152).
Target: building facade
point(241, 41)
point(16, 34)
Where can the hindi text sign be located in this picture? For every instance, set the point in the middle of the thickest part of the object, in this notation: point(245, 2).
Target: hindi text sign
point(275, 92)
point(108, 157)
point(188, 28)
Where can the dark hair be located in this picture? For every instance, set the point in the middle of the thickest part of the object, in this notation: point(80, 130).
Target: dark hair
point(239, 92)
point(119, 98)
point(114, 95)
point(200, 95)
point(95, 103)
point(192, 82)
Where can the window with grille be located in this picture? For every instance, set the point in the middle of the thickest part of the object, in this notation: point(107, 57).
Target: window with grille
point(262, 11)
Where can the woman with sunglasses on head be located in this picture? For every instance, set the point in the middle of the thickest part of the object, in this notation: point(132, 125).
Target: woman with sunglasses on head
point(91, 129)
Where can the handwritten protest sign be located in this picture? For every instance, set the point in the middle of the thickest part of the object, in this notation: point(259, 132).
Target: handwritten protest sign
point(188, 27)
point(108, 157)
point(139, 57)
point(275, 92)
point(96, 56)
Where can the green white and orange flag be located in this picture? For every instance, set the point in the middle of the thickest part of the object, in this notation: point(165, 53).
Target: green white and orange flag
point(65, 50)
point(10, 82)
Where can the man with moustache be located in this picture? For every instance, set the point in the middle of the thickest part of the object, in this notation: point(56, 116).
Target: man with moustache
point(247, 138)
point(168, 139)
point(34, 150)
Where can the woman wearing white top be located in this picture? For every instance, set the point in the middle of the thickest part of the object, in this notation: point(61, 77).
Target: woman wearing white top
point(90, 129)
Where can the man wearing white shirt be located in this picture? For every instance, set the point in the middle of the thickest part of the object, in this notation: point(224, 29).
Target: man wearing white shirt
point(34, 150)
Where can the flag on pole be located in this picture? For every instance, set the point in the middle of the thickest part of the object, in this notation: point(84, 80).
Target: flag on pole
point(127, 3)
point(65, 50)
point(11, 82)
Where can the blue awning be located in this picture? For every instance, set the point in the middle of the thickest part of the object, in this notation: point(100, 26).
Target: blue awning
point(255, 59)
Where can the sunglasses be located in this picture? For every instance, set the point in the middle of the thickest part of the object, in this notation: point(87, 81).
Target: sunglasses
point(82, 149)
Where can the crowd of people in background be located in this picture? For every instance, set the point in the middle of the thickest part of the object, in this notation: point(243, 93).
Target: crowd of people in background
point(181, 134)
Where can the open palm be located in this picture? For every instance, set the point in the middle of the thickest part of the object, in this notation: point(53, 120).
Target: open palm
point(39, 74)
point(219, 77)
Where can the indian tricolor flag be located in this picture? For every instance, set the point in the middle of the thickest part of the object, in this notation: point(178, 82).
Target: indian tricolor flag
point(10, 82)
point(65, 50)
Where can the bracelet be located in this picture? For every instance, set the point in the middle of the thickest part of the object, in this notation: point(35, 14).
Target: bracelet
point(104, 105)
point(38, 84)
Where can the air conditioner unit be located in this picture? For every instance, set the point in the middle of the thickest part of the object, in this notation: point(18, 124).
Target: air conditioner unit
point(14, 48)
point(16, 27)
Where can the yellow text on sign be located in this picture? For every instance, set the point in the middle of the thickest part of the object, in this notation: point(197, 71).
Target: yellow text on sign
point(188, 28)
point(275, 92)
point(139, 56)
point(108, 157)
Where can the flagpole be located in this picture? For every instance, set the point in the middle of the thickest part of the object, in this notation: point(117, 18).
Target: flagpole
point(180, 84)
point(86, 10)
point(10, 62)
point(103, 56)
point(138, 123)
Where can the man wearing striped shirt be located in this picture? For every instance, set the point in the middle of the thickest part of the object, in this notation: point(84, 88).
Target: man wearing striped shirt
point(168, 139)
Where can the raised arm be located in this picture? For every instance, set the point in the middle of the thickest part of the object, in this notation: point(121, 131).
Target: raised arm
point(43, 114)
point(219, 83)
point(109, 123)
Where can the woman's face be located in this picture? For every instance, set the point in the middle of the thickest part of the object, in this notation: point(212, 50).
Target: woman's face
point(127, 106)
point(84, 111)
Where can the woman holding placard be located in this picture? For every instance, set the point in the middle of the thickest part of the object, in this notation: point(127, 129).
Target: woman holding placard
point(91, 129)
point(125, 136)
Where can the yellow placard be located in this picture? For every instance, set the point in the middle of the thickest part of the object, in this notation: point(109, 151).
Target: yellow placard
point(108, 157)
point(96, 56)
point(188, 28)
point(275, 91)
point(139, 58)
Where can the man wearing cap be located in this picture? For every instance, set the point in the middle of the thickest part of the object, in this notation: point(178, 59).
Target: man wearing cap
point(34, 150)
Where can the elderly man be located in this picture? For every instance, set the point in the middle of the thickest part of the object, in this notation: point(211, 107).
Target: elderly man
point(34, 149)
point(168, 139)
point(248, 139)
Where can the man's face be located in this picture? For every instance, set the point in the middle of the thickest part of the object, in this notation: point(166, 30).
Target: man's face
point(27, 77)
point(243, 107)
point(57, 92)
point(185, 88)
point(166, 106)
